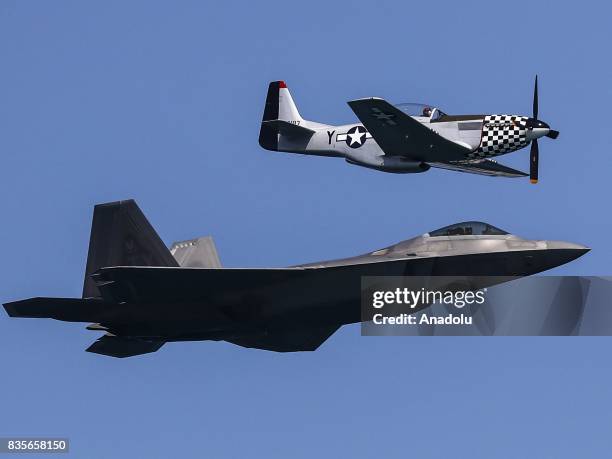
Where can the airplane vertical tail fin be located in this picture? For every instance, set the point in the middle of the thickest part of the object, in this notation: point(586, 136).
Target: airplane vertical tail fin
point(196, 253)
point(122, 236)
point(280, 104)
point(281, 117)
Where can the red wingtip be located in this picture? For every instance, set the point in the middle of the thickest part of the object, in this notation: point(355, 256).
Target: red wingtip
point(282, 84)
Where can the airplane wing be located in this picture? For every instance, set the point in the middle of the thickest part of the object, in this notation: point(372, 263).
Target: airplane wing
point(117, 346)
point(306, 339)
point(398, 134)
point(481, 167)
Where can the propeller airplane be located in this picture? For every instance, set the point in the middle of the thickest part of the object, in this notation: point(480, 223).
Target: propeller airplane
point(406, 138)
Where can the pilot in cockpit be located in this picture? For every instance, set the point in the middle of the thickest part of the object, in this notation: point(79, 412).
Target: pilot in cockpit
point(427, 111)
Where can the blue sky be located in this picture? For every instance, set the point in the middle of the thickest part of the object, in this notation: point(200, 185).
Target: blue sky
point(161, 102)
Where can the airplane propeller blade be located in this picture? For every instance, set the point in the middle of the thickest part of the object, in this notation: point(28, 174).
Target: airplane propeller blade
point(552, 134)
point(535, 99)
point(534, 158)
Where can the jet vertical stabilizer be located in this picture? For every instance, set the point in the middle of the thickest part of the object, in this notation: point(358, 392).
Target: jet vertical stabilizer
point(122, 236)
point(196, 253)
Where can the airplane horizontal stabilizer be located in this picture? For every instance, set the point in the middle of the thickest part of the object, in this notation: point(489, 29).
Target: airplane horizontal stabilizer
point(288, 129)
point(117, 346)
point(67, 309)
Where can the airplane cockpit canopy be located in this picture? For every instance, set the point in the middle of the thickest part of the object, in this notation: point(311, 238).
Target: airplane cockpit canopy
point(468, 229)
point(425, 110)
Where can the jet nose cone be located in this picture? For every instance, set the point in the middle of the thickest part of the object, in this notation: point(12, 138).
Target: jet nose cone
point(566, 246)
point(561, 252)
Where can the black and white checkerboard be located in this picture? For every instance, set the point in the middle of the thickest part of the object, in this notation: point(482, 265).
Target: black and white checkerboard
point(501, 134)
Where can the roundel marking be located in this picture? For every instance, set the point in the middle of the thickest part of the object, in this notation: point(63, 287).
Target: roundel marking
point(356, 136)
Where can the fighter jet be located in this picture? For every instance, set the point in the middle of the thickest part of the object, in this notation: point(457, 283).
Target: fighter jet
point(143, 294)
point(405, 138)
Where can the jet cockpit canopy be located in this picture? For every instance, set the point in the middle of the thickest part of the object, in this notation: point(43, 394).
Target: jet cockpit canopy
point(468, 229)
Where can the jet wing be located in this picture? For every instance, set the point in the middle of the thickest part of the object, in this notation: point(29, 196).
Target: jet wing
point(117, 346)
point(398, 134)
point(306, 339)
point(481, 167)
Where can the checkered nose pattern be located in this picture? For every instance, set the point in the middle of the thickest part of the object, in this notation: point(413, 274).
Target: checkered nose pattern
point(501, 134)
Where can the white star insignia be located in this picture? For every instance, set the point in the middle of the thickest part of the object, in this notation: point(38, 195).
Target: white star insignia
point(356, 137)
